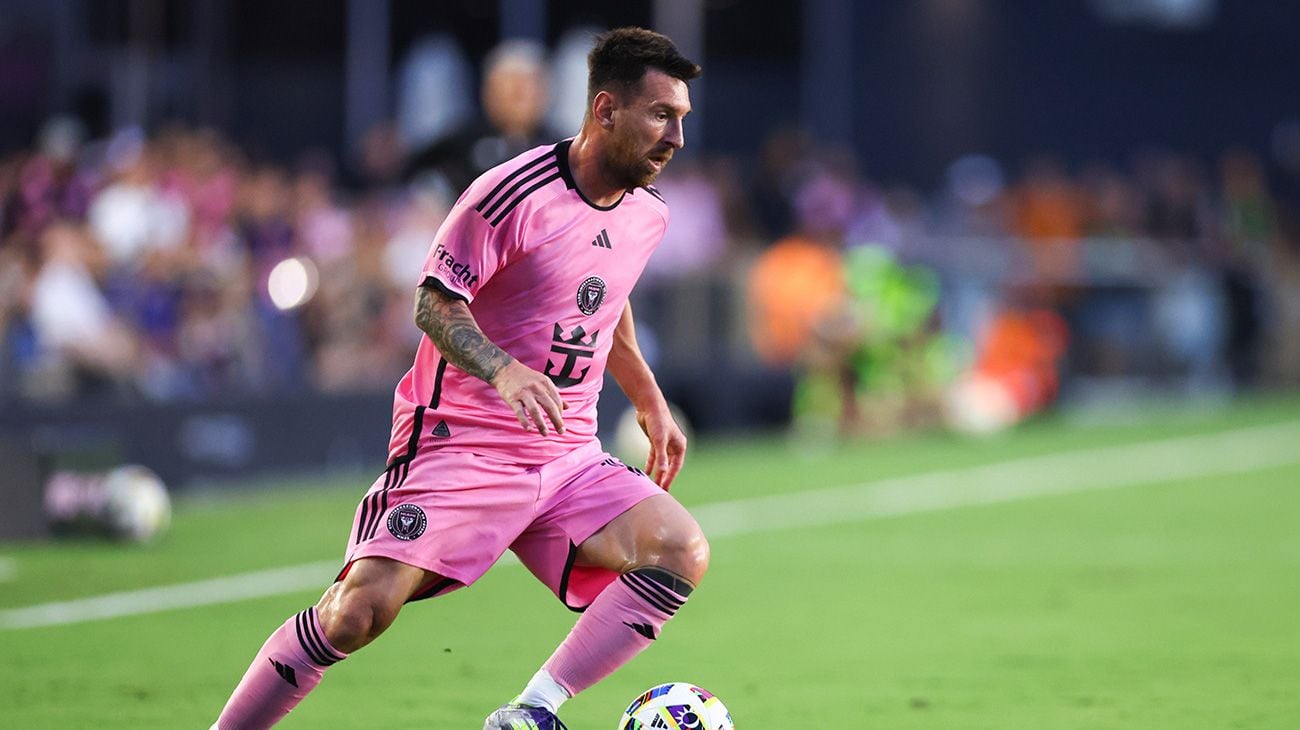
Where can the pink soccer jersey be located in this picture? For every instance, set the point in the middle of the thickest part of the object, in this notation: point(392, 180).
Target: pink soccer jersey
point(546, 274)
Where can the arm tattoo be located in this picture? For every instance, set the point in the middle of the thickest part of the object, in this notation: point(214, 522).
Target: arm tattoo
point(451, 327)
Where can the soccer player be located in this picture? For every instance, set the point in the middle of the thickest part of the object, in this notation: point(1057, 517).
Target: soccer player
point(524, 304)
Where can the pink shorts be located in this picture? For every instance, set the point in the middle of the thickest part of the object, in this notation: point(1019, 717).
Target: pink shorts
point(456, 513)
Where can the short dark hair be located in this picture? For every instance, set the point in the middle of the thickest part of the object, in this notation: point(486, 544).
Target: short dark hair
point(622, 56)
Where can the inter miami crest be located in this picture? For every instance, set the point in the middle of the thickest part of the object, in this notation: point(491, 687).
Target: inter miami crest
point(591, 294)
point(407, 522)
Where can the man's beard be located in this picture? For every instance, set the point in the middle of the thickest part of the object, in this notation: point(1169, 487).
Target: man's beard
point(631, 169)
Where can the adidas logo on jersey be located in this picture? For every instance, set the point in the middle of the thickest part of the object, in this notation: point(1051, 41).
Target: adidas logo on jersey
point(602, 240)
point(441, 430)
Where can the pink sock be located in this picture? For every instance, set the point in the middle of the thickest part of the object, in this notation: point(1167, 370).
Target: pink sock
point(617, 626)
point(290, 664)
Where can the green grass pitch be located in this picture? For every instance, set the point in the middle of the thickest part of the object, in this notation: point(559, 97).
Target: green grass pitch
point(1169, 604)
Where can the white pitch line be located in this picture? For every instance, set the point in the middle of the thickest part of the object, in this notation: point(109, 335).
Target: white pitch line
point(182, 595)
point(1220, 454)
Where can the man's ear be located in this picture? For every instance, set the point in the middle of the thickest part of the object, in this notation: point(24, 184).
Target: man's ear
point(602, 109)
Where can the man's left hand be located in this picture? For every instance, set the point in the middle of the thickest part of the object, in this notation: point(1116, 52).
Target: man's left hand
point(667, 445)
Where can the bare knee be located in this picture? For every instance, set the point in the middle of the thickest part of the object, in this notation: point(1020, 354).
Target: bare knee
point(657, 532)
point(353, 617)
point(365, 602)
point(684, 550)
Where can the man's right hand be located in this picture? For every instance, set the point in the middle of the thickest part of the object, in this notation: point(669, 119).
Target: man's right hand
point(531, 395)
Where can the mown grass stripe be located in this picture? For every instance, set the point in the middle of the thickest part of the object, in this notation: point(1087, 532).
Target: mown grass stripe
point(1219, 454)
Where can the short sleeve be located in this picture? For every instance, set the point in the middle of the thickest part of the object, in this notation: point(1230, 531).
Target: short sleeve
point(466, 252)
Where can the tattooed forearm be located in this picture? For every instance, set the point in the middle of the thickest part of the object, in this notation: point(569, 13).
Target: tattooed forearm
point(451, 327)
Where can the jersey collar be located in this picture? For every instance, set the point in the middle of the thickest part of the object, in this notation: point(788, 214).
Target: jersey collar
point(562, 156)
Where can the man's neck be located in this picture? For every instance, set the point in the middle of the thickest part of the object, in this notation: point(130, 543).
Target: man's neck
point(589, 175)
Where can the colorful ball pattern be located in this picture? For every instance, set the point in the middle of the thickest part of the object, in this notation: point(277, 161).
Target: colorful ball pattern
point(676, 706)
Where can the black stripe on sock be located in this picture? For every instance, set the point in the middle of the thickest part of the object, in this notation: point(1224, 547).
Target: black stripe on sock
point(309, 641)
point(656, 589)
point(307, 646)
point(302, 638)
point(650, 598)
point(667, 599)
point(667, 579)
point(319, 636)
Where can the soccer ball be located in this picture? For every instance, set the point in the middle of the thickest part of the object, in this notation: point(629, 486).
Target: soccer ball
point(136, 506)
point(676, 706)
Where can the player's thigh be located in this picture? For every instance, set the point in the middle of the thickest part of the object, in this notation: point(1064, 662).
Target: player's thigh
point(581, 494)
point(372, 589)
point(656, 531)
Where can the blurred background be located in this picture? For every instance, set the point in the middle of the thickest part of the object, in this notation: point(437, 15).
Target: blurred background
point(928, 259)
point(890, 217)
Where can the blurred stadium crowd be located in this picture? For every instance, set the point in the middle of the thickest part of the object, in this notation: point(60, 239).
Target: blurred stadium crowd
point(174, 265)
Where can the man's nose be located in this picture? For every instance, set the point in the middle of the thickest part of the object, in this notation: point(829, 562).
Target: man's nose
point(675, 135)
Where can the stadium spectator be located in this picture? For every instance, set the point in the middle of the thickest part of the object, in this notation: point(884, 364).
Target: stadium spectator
point(265, 226)
point(378, 158)
point(1047, 212)
point(183, 234)
point(82, 346)
point(876, 363)
point(783, 161)
point(48, 185)
point(134, 216)
point(1047, 205)
point(514, 101)
point(1113, 204)
point(434, 91)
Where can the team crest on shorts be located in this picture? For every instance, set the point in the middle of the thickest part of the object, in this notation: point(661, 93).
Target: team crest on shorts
point(407, 522)
point(591, 294)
